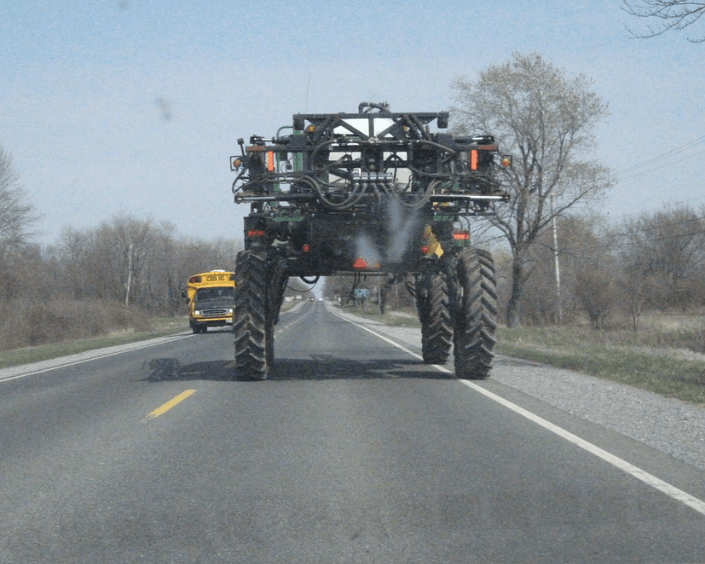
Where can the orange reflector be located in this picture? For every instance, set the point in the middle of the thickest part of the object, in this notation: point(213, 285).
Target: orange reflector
point(473, 159)
point(311, 128)
point(359, 263)
point(255, 233)
point(270, 161)
point(461, 235)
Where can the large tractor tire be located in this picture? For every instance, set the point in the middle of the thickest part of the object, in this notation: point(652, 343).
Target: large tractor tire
point(252, 326)
point(277, 281)
point(474, 312)
point(433, 306)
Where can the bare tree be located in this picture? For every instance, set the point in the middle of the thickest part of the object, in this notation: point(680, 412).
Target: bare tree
point(635, 284)
point(73, 252)
point(591, 268)
point(132, 239)
point(17, 215)
point(581, 243)
point(666, 250)
point(119, 251)
point(547, 120)
point(597, 293)
point(671, 15)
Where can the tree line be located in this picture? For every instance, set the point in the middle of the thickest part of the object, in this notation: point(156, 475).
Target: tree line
point(612, 274)
point(113, 276)
point(135, 261)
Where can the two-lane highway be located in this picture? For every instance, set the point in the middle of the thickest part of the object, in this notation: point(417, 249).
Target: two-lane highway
point(352, 451)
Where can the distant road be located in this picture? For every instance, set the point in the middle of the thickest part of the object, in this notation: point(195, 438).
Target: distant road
point(353, 451)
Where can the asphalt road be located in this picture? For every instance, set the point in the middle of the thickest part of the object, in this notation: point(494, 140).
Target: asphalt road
point(353, 451)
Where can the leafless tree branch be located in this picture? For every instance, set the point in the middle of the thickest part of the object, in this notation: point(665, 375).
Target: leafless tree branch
point(672, 14)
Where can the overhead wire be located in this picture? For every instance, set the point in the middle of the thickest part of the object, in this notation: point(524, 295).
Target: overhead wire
point(665, 155)
point(662, 166)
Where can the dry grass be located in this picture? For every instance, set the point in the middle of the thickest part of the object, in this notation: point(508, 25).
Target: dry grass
point(32, 323)
point(159, 327)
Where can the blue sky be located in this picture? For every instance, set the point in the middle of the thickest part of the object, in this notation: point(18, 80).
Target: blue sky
point(134, 106)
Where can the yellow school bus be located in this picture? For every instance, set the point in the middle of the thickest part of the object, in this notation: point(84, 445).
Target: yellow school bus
point(210, 297)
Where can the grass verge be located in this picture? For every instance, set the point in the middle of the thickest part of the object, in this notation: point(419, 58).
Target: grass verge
point(647, 359)
point(161, 328)
point(612, 356)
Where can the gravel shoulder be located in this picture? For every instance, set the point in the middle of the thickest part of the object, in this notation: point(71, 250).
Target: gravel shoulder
point(667, 424)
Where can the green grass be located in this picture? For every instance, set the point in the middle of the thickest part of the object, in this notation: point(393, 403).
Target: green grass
point(643, 359)
point(161, 328)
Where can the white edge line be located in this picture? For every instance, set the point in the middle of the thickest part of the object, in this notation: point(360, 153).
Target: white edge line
point(638, 473)
point(24, 375)
point(649, 479)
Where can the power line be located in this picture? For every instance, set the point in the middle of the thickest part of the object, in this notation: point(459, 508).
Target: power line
point(622, 243)
point(666, 155)
point(662, 166)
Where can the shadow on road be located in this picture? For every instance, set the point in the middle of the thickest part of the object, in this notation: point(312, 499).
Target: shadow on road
point(170, 369)
point(317, 368)
point(322, 367)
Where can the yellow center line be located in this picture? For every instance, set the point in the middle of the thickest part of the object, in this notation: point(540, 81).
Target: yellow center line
point(171, 403)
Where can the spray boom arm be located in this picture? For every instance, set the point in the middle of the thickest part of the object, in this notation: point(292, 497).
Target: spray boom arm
point(343, 161)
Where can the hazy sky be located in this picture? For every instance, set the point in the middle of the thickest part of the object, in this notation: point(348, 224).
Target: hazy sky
point(136, 105)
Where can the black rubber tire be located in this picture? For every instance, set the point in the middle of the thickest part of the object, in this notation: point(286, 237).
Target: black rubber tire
point(433, 306)
point(278, 279)
point(250, 317)
point(474, 312)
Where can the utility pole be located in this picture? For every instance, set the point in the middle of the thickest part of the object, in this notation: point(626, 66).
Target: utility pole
point(129, 275)
point(556, 267)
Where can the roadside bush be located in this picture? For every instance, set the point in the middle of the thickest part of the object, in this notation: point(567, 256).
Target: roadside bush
point(26, 323)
